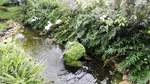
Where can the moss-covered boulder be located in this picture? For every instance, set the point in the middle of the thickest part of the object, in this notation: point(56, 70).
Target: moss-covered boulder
point(74, 51)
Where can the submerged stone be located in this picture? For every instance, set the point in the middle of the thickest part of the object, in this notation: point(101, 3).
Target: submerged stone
point(74, 52)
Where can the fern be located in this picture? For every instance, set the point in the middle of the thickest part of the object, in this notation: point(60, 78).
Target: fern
point(17, 68)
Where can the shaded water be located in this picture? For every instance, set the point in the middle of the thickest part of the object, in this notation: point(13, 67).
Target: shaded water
point(50, 55)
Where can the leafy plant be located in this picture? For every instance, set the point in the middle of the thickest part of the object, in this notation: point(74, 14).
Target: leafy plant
point(16, 68)
point(38, 13)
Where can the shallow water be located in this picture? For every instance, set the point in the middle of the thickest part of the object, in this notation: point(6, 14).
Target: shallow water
point(49, 54)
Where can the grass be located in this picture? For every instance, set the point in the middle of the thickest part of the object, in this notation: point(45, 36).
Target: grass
point(11, 13)
point(8, 13)
point(3, 1)
point(3, 25)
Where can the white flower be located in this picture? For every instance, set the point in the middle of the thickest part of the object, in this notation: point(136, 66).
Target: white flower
point(58, 21)
point(48, 26)
point(103, 17)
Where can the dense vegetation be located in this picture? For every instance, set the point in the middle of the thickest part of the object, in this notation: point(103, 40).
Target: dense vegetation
point(116, 35)
point(8, 13)
point(16, 68)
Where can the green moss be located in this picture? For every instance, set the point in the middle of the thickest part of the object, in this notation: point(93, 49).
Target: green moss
point(74, 51)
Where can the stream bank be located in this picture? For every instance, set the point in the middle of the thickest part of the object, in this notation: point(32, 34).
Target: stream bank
point(48, 53)
point(117, 35)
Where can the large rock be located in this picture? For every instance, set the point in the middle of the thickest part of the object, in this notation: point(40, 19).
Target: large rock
point(74, 52)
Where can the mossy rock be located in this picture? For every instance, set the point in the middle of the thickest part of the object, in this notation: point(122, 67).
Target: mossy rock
point(74, 52)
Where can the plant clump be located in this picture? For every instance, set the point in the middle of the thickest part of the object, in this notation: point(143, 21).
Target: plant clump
point(16, 68)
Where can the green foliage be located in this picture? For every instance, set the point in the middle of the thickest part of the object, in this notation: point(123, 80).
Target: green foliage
point(115, 35)
point(3, 2)
point(11, 13)
point(74, 51)
point(138, 64)
point(17, 68)
point(112, 36)
point(84, 4)
point(43, 11)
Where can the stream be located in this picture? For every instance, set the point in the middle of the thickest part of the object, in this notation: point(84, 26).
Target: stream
point(49, 54)
point(46, 52)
